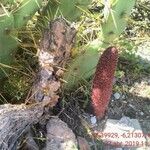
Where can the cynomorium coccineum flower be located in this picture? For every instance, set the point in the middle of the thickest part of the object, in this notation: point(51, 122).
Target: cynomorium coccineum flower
point(103, 81)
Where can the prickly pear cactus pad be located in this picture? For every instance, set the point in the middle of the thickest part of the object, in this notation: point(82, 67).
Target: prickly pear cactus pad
point(13, 15)
point(8, 42)
point(80, 68)
point(69, 9)
point(25, 11)
point(116, 19)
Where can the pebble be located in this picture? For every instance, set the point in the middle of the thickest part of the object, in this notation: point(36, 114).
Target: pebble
point(141, 113)
point(130, 105)
point(117, 95)
point(123, 97)
point(93, 120)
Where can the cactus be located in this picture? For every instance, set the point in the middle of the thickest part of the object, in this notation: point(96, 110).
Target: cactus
point(10, 19)
point(116, 21)
point(69, 9)
point(25, 11)
point(7, 42)
point(83, 65)
point(4, 2)
point(19, 12)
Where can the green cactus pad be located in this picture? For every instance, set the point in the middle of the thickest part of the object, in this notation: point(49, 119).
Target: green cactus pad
point(83, 66)
point(13, 16)
point(7, 1)
point(7, 41)
point(69, 9)
point(117, 20)
point(25, 11)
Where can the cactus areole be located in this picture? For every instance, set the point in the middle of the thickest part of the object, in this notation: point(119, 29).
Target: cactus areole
point(103, 81)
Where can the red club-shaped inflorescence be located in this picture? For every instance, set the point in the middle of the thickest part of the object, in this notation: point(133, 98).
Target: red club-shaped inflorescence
point(103, 81)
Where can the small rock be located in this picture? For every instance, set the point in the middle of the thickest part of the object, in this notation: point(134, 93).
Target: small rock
point(83, 144)
point(148, 82)
point(125, 123)
point(125, 102)
point(117, 95)
point(93, 120)
point(122, 129)
point(59, 136)
point(130, 105)
point(123, 96)
point(141, 113)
